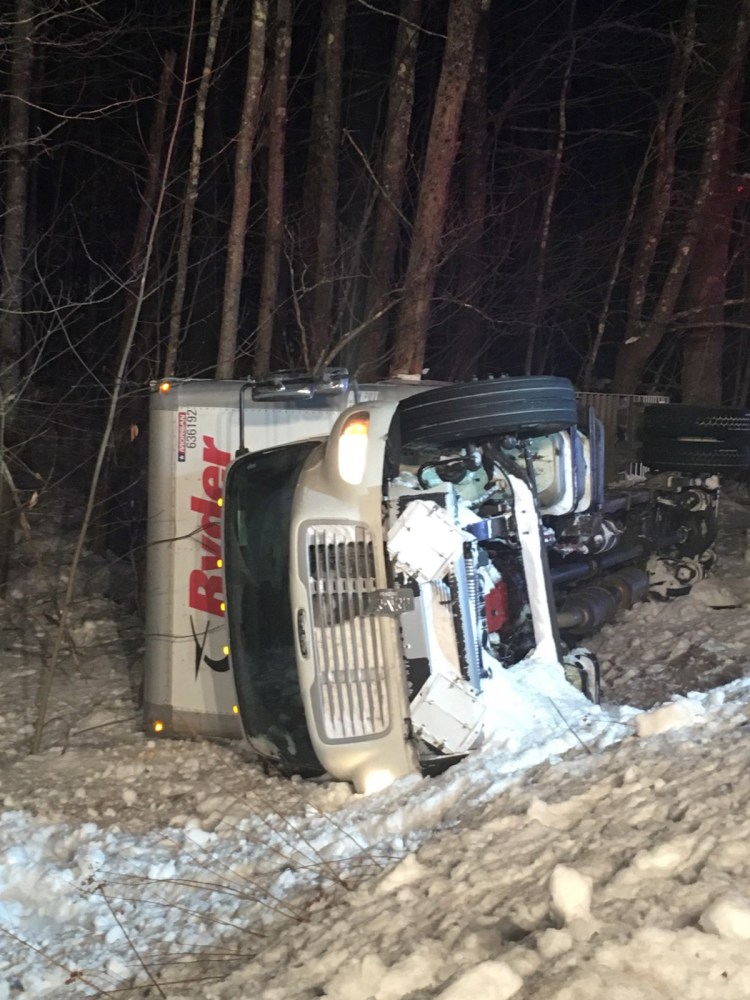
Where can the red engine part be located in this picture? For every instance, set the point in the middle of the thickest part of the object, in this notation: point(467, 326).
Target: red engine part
point(496, 606)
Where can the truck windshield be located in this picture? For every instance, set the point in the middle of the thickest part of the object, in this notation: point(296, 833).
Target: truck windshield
point(258, 499)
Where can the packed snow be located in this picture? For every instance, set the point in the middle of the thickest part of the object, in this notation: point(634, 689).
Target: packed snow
point(583, 852)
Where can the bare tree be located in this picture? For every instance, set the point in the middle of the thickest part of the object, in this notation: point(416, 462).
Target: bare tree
point(390, 179)
point(474, 191)
point(12, 250)
point(191, 193)
point(549, 203)
point(442, 145)
point(152, 226)
point(275, 199)
point(643, 335)
point(322, 181)
point(242, 183)
point(706, 284)
point(147, 202)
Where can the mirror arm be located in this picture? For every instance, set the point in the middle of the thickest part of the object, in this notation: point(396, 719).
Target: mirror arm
point(242, 450)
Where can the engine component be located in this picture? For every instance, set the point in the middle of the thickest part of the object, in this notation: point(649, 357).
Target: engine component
point(591, 606)
point(497, 607)
point(587, 609)
point(670, 578)
point(447, 714)
point(424, 541)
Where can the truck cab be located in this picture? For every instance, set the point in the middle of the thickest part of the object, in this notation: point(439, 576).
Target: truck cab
point(375, 576)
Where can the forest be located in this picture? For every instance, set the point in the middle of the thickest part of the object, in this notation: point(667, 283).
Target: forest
point(451, 188)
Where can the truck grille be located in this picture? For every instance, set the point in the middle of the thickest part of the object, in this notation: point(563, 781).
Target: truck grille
point(347, 644)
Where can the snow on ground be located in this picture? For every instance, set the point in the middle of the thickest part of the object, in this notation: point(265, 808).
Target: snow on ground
point(583, 852)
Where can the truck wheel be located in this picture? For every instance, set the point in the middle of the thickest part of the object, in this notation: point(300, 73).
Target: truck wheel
point(718, 422)
point(676, 455)
point(526, 406)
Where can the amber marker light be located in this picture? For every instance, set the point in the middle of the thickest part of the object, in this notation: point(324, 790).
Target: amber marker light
point(226, 651)
point(353, 448)
point(158, 726)
point(164, 387)
point(236, 709)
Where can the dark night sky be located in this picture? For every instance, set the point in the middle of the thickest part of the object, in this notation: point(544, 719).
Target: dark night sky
point(96, 74)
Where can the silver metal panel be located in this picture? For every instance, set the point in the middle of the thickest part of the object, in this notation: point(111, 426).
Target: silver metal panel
point(346, 641)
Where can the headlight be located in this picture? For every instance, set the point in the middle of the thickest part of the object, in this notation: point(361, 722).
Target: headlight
point(352, 448)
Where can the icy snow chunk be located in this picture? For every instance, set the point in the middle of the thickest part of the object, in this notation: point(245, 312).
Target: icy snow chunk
point(571, 893)
point(129, 796)
point(117, 969)
point(489, 980)
point(664, 859)
point(556, 816)
point(407, 871)
point(370, 977)
point(198, 836)
point(552, 943)
point(728, 916)
point(714, 595)
point(681, 712)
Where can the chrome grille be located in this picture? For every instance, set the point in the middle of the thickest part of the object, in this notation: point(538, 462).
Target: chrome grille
point(347, 645)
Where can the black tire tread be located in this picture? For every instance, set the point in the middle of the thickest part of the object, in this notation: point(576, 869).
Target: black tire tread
point(527, 406)
point(674, 420)
point(669, 454)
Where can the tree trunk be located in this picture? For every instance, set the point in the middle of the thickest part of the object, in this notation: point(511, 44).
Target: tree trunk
point(644, 336)
point(549, 203)
point(324, 148)
point(391, 177)
point(275, 209)
point(442, 144)
point(12, 257)
point(15, 200)
point(589, 365)
point(191, 194)
point(707, 279)
point(132, 310)
point(241, 203)
point(474, 193)
point(148, 201)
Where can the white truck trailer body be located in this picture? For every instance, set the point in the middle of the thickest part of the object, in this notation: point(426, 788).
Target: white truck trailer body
point(194, 433)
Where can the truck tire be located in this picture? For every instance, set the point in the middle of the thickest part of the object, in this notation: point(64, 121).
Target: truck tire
point(526, 406)
point(677, 455)
point(721, 423)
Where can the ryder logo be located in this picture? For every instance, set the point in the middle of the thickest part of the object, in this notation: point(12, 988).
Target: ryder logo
point(206, 588)
point(181, 435)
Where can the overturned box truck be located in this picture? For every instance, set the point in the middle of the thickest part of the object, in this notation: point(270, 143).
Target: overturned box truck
point(334, 570)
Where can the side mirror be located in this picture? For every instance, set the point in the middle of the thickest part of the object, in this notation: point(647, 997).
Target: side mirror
point(290, 384)
point(283, 386)
point(332, 382)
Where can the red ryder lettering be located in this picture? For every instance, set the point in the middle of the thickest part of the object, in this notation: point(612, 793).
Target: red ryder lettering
point(206, 584)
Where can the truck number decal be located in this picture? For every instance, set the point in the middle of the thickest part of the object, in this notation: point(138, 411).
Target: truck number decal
point(187, 432)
